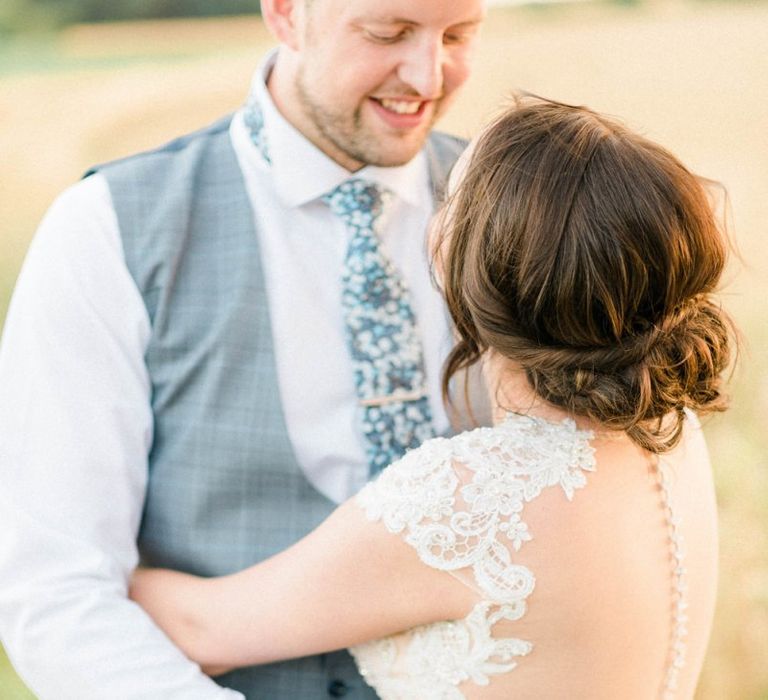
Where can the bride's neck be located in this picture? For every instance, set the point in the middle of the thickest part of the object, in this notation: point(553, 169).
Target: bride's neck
point(510, 391)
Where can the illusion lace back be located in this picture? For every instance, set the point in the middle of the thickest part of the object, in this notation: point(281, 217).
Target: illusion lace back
point(460, 503)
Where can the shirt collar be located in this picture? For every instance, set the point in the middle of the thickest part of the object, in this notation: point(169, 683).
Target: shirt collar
point(301, 172)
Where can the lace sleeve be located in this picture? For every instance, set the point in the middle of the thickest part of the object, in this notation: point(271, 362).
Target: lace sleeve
point(460, 502)
point(416, 490)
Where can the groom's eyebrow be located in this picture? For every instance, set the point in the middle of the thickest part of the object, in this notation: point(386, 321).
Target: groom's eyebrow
point(384, 19)
point(392, 19)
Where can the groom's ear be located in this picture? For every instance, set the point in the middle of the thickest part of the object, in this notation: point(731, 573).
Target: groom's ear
point(284, 18)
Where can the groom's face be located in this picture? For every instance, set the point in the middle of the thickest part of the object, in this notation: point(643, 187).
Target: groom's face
point(372, 76)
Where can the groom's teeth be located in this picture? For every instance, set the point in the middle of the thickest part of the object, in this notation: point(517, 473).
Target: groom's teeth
point(401, 107)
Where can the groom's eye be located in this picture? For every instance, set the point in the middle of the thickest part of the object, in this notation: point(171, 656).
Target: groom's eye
point(385, 37)
point(457, 37)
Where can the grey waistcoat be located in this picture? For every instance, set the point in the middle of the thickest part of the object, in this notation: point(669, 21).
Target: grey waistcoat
point(225, 490)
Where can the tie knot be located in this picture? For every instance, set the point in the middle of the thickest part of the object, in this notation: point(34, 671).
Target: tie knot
point(358, 202)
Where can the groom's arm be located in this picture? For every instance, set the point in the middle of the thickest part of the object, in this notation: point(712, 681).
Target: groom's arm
point(75, 428)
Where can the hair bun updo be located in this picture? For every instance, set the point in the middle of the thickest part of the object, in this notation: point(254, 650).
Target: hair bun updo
point(587, 255)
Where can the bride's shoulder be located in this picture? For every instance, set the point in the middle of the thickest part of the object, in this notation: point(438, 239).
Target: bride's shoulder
point(490, 472)
point(520, 446)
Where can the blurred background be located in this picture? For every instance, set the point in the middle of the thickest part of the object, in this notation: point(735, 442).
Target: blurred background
point(84, 81)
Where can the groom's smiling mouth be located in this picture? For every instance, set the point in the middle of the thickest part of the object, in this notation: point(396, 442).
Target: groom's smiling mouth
point(401, 106)
point(401, 113)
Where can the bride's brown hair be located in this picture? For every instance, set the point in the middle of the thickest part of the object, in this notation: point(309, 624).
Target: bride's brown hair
point(587, 254)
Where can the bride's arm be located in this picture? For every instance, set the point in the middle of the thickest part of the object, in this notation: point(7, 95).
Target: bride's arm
point(347, 582)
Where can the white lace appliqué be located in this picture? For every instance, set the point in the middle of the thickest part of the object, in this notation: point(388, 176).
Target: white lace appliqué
point(460, 503)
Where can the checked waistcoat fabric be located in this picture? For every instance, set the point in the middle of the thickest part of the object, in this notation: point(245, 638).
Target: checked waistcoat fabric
point(381, 332)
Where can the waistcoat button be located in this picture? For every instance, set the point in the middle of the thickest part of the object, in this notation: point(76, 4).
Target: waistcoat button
point(337, 689)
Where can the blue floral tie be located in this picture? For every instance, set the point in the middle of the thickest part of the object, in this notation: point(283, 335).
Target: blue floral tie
point(381, 332)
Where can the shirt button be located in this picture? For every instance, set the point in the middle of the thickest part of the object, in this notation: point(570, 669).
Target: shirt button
point(337, 689)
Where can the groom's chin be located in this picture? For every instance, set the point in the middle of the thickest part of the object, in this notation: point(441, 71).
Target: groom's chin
point(392, 150)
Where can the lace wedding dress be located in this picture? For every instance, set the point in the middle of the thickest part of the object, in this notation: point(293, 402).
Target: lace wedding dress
point(460, 503)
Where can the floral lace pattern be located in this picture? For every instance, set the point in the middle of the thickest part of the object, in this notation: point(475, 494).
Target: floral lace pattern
point(459, 503)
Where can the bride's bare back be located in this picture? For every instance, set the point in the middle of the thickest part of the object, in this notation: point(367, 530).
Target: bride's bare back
point(571, 598)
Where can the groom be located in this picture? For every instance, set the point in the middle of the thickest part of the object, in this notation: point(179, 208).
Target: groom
point(212, 344)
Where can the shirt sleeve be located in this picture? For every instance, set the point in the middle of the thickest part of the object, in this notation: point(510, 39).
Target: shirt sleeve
point(75, 430)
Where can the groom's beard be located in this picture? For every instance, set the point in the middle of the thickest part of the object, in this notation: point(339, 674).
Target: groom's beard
point(358, 137)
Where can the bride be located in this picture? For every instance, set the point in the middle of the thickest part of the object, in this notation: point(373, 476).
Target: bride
point(568, 551)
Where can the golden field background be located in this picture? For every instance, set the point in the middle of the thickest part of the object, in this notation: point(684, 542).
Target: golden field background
point(691, 75)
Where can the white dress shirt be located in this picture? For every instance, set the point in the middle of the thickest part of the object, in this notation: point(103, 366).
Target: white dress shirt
point(76, 424)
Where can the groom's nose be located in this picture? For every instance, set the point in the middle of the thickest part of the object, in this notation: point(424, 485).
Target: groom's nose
point(422, 66)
